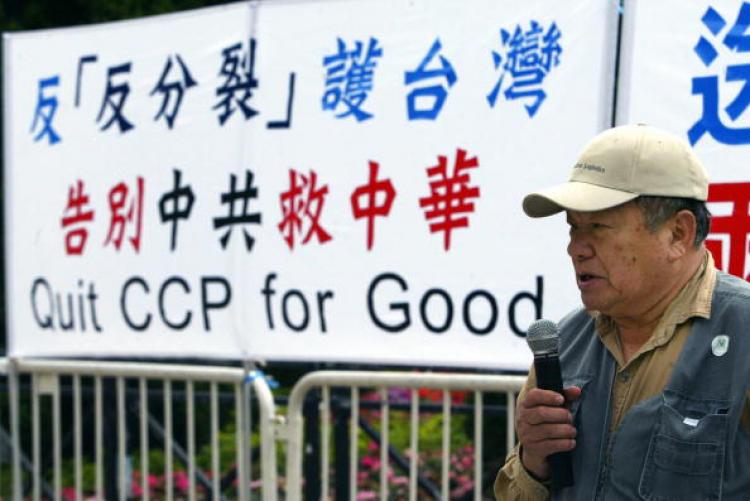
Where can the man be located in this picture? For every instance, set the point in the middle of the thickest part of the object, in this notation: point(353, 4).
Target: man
point(657, 363)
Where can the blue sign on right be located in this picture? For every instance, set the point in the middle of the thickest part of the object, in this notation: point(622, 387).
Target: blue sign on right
point(732, 44)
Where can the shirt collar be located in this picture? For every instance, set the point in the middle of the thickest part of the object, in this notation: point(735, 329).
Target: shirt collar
point(694, 300)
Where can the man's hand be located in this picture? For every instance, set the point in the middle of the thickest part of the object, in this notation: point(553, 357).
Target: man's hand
point(544, 427)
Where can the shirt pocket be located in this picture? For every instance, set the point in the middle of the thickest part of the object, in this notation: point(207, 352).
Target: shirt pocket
point(685, 456)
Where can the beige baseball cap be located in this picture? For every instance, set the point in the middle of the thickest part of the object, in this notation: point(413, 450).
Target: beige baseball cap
point(620, 164)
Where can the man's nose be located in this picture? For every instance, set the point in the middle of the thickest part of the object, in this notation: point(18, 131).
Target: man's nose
point(579, 248)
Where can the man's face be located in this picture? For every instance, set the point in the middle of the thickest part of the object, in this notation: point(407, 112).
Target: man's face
point(621, 267)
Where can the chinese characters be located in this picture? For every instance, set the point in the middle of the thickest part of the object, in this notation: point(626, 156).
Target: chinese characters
point(527, 57)
point(735, 226)
point(302, 207)
point(735, 44)
point(350, 71)
point(450, 200)
point(349, 78)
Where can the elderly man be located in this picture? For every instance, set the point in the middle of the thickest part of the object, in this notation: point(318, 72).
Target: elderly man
point(657, 362)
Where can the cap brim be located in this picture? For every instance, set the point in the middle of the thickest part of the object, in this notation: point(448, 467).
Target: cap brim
point(577, 196)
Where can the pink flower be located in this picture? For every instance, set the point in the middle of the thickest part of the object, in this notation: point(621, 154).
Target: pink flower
point(370, 462)
point(154, 481)
point(181, 481)
point(136, 487)
point(400, 480)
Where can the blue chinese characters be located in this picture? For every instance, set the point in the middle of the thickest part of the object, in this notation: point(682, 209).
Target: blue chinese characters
point(736, 41)
point(522, 63)
point(436, 92)
point(527, 57)
point(349, 76)
point(46, 106)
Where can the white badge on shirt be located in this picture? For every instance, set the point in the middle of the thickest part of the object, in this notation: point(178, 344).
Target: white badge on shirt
point(720, 345)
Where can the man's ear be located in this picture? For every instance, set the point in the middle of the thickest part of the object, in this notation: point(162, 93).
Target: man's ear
point(683, 227)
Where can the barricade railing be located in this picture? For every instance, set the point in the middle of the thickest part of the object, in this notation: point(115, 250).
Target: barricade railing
point(125, 378)
point(119, 393)
point(324, 381)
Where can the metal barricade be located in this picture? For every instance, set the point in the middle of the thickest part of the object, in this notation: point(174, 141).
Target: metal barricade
point(382, 381)
point(114, 385)
point(119, 394)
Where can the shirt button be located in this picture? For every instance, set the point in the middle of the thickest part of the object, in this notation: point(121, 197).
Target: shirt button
point(624, 376)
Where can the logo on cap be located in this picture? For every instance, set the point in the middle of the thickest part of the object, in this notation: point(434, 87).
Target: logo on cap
point(585, 166)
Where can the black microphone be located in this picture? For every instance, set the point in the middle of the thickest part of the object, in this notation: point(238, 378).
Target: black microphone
point(544, 341)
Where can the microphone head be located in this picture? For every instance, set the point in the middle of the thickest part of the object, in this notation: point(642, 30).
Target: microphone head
point(543, 337)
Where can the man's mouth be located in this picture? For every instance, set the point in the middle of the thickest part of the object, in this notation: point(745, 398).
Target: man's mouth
point(586, 277)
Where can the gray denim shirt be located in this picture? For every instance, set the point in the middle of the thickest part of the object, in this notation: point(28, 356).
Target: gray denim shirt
point(687, 442)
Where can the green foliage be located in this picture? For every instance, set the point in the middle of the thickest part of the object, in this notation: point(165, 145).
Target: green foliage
point(431, 432)
point(227, 449)
point(88, 475)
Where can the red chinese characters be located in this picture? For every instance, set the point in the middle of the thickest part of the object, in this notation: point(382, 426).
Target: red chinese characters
point(450, 196)
point(736, 226)
point(447, 207)
point(126, 211)
point(76, 216)
point(370, 209)
point(301, 207)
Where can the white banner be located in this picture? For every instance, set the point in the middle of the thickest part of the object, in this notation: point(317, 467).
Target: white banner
point(693, 78)
point(317, 181)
